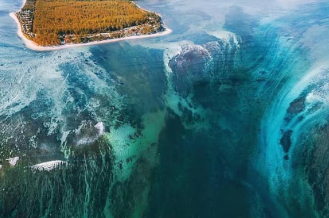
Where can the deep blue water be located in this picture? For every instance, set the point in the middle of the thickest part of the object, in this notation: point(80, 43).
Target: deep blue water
point(225, 117)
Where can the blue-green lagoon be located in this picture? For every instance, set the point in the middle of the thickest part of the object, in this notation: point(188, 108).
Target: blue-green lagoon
point(227, 116)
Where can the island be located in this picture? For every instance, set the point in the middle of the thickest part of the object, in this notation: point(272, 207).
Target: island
point(52, 24)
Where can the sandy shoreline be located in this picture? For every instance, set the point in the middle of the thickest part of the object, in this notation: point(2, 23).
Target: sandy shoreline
point(33, 46)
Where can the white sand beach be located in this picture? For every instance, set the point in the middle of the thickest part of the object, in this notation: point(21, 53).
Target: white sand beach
point(33, 46)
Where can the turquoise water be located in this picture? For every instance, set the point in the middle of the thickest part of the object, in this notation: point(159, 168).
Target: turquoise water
point(225, 117)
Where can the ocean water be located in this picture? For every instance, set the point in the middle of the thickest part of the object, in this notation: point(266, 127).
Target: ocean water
point(225, 117)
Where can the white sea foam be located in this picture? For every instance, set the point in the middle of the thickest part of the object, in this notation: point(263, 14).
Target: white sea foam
point(227, 37)
point(48, 166)
point(13, 161)
point(100, 127)
point(21, 84)
point(20, 87)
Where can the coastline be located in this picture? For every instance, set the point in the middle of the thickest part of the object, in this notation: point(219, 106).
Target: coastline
point(34, 46)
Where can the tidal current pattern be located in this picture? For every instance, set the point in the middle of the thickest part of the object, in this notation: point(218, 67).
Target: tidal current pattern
point(225, 117)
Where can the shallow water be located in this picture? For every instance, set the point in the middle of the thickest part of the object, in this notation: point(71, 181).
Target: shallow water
point(225, 117)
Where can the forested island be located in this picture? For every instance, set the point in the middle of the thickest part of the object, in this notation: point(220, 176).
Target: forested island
point(60, 22)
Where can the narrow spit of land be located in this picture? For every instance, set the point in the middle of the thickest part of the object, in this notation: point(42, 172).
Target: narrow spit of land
point(53, 24)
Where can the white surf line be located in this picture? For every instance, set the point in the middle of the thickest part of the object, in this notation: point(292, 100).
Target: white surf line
point(48, 166)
